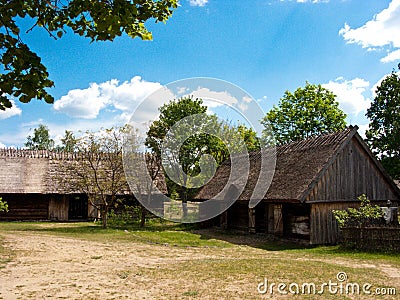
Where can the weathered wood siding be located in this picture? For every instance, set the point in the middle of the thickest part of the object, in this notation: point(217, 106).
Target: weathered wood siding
point(323, 225)
point(352, 173)
point(58, 207)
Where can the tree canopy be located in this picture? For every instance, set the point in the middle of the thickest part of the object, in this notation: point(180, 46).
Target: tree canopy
point(40, 140)
point(68, 142)
point(383, 134)
point(200, 145)
point(308, 111)
point(23, 76)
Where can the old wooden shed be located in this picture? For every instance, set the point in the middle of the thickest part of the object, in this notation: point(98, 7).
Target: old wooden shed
point(34, 184)
point(312, 177)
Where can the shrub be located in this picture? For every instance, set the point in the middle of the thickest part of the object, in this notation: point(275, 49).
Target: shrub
point(366, 215)
point(3, 205)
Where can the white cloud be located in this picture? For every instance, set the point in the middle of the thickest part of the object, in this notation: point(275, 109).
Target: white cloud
point(198, 2)
point(362, 129)
point(350, 94)
point(87, 103)
point(382, 31)
point(2, 145)
point(10, 112)
point(213, 98)
point(378, 83)
point(392, 56)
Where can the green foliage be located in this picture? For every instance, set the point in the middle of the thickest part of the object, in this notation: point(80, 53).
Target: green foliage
point(309, 111)
point(3, 205)
point(189, 155)
point(40, 140)
point(365, 215)
point(99, 173)
point(129, 215)
point(24, 76)
point(383, 134)
point(68, 142)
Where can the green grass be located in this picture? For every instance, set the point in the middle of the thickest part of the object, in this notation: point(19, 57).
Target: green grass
point(171, 234)
point(231, 264)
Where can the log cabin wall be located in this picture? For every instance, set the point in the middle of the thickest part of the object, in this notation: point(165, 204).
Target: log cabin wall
point(25, 207)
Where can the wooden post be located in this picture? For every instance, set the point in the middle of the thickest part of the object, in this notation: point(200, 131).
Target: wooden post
point(278, 222)
point(224, 220)
point(252, 220)
point(270, 218)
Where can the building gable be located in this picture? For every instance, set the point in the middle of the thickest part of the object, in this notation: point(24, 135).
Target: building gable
point(352, 172)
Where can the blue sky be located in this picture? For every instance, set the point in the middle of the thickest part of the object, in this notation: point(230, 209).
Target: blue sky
point(263, 46)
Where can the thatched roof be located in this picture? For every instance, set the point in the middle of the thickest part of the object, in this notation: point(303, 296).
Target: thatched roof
point(44, 172)
point(298, 165)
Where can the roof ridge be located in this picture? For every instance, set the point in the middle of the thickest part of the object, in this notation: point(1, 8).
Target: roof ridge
point(315, 141)
point(36, 153)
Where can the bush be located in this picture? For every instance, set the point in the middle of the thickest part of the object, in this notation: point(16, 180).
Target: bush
point(366, 215)
point(3, 205)
point(129, 215)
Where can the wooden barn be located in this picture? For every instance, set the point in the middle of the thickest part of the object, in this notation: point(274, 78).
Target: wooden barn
point(312, 177)
point(33, 182)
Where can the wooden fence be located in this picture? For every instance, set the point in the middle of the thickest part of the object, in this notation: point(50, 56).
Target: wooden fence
point(380, 238)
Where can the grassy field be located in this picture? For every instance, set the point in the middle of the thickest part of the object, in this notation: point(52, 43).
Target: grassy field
point(180, 262)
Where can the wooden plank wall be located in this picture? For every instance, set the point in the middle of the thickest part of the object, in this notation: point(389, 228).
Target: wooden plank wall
point(353, 173)
point(323, 225)
point(58, 207)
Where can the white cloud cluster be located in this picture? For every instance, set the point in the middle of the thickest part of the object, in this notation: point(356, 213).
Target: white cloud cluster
point(10, 112)
point(87, 103)
point(198, 2)
point(350, 94)
point(382, 31)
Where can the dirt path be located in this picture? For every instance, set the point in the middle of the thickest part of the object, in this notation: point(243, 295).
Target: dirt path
point(47, 266)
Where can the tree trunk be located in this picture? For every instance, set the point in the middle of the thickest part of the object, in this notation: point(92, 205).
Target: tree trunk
point(143, 217)
point(184, 203)
point(104, 217)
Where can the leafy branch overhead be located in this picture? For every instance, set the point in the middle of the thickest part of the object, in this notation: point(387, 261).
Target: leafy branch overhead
point(24, 76)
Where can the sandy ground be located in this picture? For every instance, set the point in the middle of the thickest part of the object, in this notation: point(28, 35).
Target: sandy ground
point(52, 267)
point(48, 267)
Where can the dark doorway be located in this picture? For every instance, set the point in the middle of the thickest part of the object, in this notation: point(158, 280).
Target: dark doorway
point(78, 208)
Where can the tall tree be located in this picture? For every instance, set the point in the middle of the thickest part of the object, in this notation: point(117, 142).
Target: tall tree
point(40, 140)
point(68, 142)
point(188, 156)
point(24, 76)
point(383, 134)
point(308, 111)
point(190, 161)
